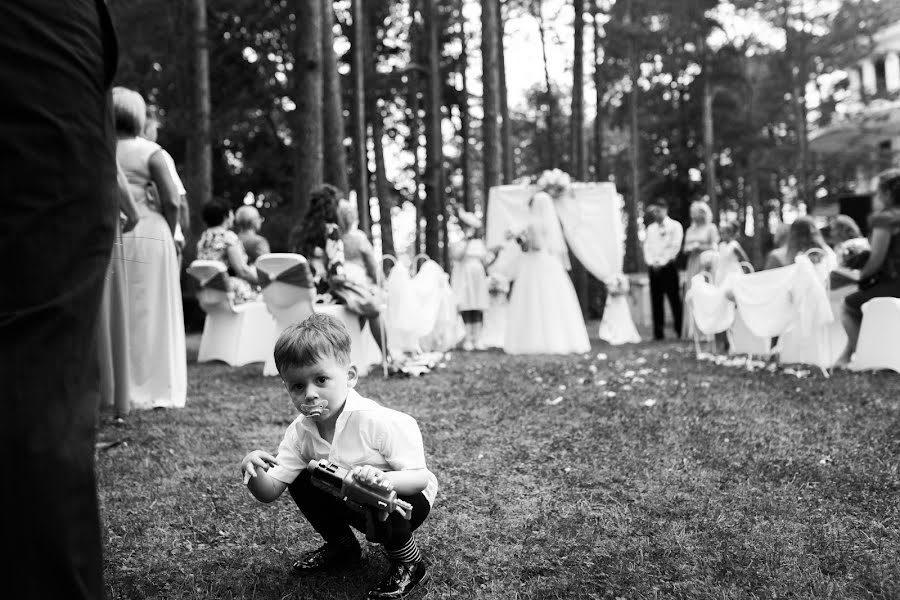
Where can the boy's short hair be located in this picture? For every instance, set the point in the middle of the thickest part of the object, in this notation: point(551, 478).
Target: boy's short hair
point(316, 337)
point(658, 202)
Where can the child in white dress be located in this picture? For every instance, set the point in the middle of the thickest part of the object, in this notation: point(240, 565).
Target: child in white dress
point(469, 279)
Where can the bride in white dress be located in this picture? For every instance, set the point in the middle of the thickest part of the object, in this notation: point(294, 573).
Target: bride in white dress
point(544, 316)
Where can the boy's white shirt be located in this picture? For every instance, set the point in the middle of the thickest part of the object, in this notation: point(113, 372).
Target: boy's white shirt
point(366, 433)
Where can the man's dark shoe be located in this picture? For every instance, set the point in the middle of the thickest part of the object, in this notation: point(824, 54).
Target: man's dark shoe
point(401, 580)
point(327, 558)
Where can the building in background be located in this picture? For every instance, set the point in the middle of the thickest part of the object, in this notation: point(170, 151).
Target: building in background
point(864, 130)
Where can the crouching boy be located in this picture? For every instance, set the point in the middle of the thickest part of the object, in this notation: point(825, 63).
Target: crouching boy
point(381, 447)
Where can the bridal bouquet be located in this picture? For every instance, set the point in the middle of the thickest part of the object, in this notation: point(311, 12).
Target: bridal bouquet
point(554, 182)
point(617, 285)
point(854, 253)
point(520, 235)
point(498, 285)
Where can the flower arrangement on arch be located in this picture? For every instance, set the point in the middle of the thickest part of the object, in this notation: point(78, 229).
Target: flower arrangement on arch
point(554, 182)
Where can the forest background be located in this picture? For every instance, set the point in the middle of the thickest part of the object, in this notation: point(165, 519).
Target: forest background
point(406, 104)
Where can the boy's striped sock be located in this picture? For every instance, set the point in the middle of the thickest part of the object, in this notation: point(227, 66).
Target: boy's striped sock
point(408, 553)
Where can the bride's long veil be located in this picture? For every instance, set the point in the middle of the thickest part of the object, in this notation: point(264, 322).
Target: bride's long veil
point(551, 233)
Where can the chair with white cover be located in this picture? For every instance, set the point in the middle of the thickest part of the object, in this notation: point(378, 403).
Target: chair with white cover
point(740, 339)
point(819, 347)
point(699, 336)
point(879, 336)
point(288, 293)
point(234, 334)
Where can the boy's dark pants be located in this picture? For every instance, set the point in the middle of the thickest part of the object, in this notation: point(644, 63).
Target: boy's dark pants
point(664, 282)
point(330, 516)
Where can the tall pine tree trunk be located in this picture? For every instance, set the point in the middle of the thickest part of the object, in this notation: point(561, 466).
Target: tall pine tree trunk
point(505, 123)
point(552, 155)
point(202, 191)
point(412, 115)
point(708, 142)
point(434, 162)
point(599, 159)
point(579, 274)
point(633, 200)
point(795, 55)
point(382, 188)
point(490, 59)
point(307, 138)
point(464, 120)
point(579, 164)
point(334, 155)
point(360, 146)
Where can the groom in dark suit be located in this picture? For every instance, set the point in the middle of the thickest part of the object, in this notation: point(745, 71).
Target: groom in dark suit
point(57, 192)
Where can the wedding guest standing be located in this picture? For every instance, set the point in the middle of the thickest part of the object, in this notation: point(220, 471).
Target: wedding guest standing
point(112, 330)
point(247, 223)
point(730, 253)
point(158, 362)
point(183, 223)
point(469, 279)
point(701, 235)
point(661, 248)
point(58, 190)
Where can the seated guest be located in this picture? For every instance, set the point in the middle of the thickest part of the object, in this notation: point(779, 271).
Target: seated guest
point(219, 243)
point(848, 242)
point(880, 276)
point(842, 229)
point(319, 238)
point(803, 235)
point(246, 224)
point(776, 257)
point(360, 263)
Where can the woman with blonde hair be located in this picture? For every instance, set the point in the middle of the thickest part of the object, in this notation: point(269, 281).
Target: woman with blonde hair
point(702, 235)
point(157, 359)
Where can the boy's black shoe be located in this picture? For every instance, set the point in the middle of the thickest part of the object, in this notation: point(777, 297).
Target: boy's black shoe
point(327, 558)
point(401, 580)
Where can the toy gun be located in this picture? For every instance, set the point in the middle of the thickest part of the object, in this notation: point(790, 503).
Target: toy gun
point(373, 501)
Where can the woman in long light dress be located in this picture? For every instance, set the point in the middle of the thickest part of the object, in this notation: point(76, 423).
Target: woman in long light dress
point(157, 355)
point(112, 327)
point(544, 315)
point(702, 235)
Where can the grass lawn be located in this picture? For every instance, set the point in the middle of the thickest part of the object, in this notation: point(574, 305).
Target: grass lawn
point(730, 485)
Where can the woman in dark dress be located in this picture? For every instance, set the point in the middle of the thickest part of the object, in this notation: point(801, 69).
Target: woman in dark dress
point(880, 276)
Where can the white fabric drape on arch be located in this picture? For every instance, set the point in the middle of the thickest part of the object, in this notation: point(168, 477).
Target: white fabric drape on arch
point(590, 217)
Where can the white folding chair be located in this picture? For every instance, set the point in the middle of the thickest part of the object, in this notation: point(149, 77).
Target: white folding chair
point(879, 336)
point(234, 334)
point(416, 265)
point(392, 260)
point(697, 334)
point(740, 339)
point(288, 293)
point(816, 348)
